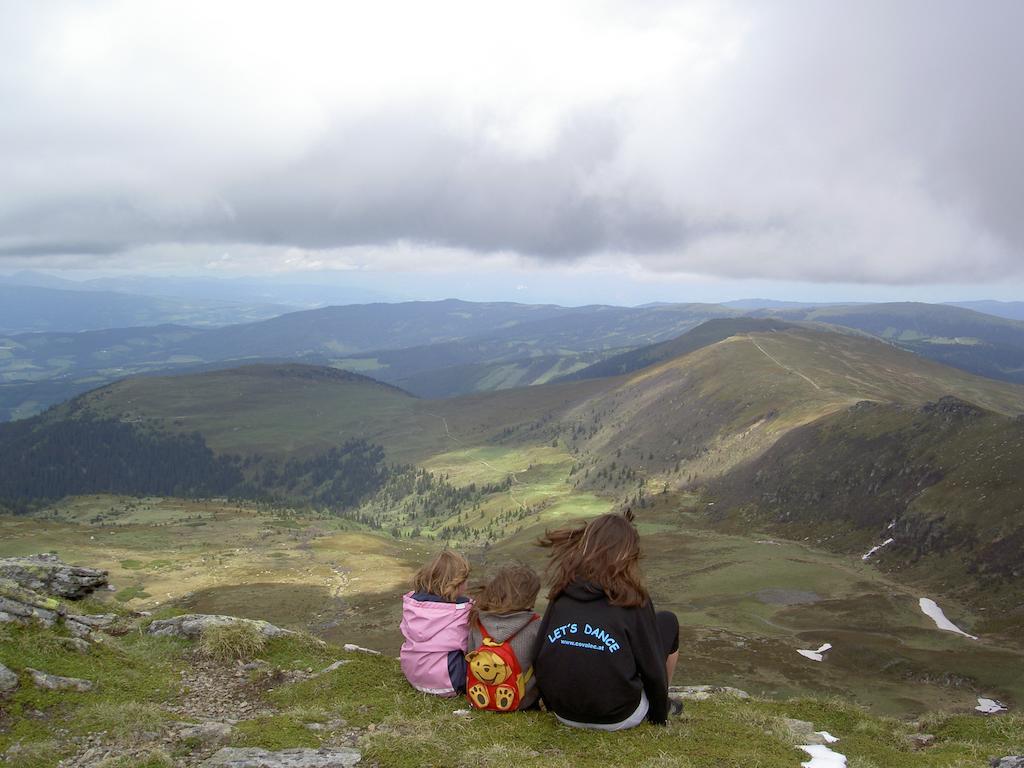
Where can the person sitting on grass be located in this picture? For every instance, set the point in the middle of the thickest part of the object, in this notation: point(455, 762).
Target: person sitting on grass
point(435, 625)
point(604, 658)
point(503, 630)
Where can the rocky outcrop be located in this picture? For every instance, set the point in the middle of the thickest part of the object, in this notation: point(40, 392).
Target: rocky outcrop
point(58, 683)
point(20, 605)
point(191, 626)
point(1012, 761)
point(23, 606)
point(336, 757)
point(48, 574)
point(8, 680)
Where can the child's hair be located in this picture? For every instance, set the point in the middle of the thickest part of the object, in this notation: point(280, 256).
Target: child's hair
point(513, 588)
point(605, 551)
point(443, 575)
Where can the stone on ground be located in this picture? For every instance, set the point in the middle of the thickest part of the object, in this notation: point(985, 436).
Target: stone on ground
point(191, 626)
point(8, 680)
point(49, 574)
point(209, 734)
point(703, 692)
point(1011, 761)
point(58, 683)
point(333, 757)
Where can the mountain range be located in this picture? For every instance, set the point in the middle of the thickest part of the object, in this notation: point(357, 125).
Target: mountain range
point(447, 348)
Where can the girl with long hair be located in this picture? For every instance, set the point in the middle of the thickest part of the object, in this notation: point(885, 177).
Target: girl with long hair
point(604, 657)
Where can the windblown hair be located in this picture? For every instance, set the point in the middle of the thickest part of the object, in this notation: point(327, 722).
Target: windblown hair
point(513, 588)
point(443, 575)
point(604, 551)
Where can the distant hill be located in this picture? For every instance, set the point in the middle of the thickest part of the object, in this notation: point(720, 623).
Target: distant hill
point(26, 309)
point(707, 333)
point(976, 342)
point(448, 348)
point(1011, 310)
point(415, 345)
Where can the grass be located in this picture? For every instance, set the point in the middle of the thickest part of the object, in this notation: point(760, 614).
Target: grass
point(399, 726)
point(134, 678)
point(232, 641)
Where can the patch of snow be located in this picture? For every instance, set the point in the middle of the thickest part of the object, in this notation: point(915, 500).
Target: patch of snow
point(874, 549)
point(990, 706)
point(891, 525)
point(828, 737)
point(935, 614)
point(822, 757)
point(816, 655)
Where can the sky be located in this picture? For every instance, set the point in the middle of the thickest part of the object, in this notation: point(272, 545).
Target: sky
point(571, 152)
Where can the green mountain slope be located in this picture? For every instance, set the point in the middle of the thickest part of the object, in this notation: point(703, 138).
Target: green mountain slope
point(707, 333)
point(942, 480)
point(698, 415)
point(979, 343)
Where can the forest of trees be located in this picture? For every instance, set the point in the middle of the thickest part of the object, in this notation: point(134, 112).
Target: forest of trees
point(43, 462)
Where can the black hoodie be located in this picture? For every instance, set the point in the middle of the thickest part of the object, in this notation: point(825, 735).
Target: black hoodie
point(593, 659)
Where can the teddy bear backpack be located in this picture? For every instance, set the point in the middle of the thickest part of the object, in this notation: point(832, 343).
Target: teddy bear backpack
point(494, 679)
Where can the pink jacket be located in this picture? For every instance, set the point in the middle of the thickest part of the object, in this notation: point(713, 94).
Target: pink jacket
point(431, 630)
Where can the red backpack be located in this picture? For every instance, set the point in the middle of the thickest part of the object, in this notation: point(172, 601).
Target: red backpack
point(494, 679)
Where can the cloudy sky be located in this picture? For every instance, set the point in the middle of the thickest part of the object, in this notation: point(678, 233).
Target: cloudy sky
point(565, 151)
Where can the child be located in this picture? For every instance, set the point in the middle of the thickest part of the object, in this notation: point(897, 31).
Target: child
point(435, 620)
point(604, 658)
point(504, 610)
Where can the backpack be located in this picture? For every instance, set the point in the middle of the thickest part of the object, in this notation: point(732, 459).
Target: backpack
point(494, 679)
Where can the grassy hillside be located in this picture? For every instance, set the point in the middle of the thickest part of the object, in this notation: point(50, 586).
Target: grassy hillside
point(980, 343)
point(133, 716)
point(707, 333)
point(941, 479)
point(697, 416)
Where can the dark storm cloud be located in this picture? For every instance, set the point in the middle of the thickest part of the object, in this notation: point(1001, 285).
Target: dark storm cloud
point(873, 141)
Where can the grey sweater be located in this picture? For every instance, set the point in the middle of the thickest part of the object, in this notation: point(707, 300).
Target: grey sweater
point(523, 634)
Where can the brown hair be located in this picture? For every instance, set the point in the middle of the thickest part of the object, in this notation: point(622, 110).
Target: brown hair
point(513, 588)
point(443, 575)
point(605, 551)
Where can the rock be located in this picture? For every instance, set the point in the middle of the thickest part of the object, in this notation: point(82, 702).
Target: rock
point(336, 665)
point(96, 621)
point(326, 757)
point(49, 574)
point(23, 606)
point(8, 680)
point(210, 734)
point(1011, 761)
point(803, 732)
point(74, 644)
point(353, 648)
point(921, 740)
point(702, 692)
point(77, 628)
point(191, 626)
point(58, 683)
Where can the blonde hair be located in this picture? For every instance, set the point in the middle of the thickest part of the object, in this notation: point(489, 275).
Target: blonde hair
point(443, 575)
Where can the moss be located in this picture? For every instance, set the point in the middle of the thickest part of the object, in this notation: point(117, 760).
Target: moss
point(273, 733)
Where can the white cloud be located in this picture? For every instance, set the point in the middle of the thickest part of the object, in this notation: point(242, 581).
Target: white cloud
point(799, 140)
